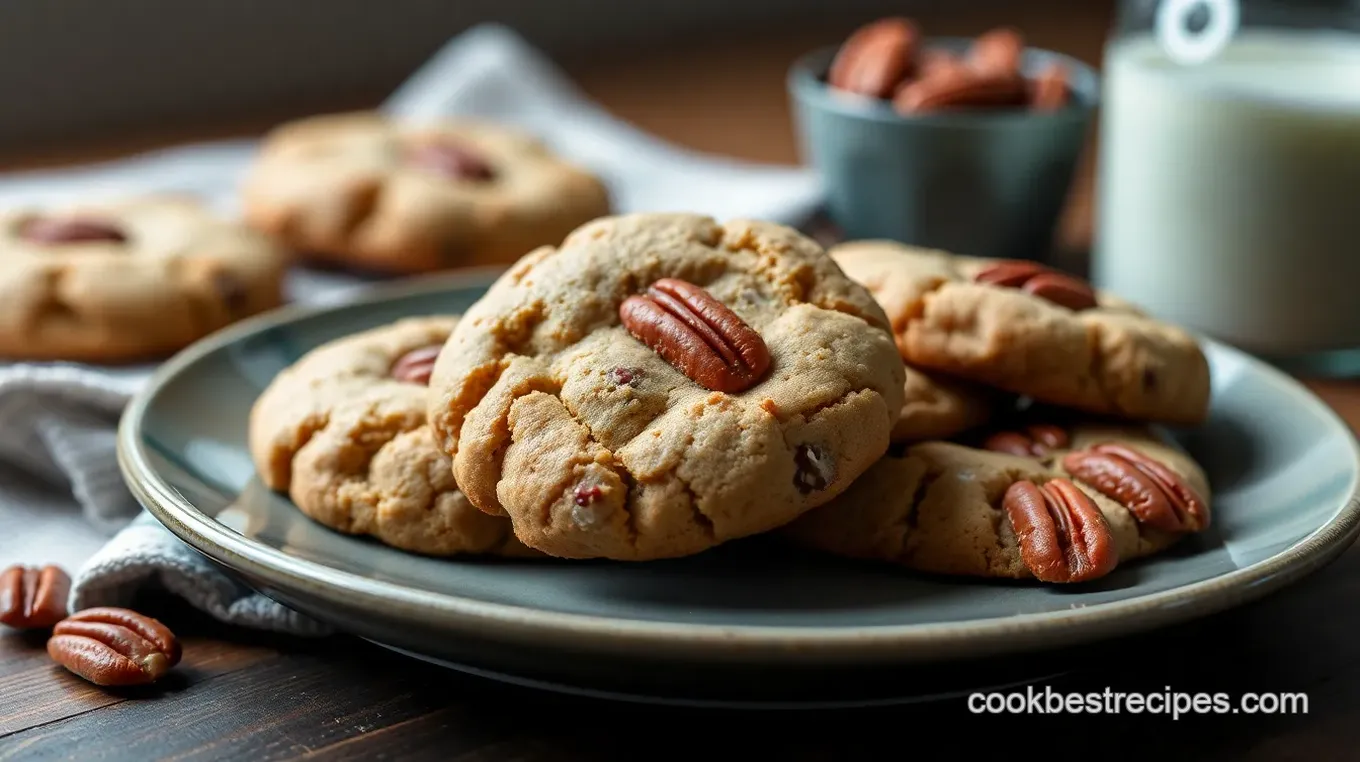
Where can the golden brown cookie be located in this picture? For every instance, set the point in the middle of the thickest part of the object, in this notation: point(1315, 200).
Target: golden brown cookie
point(125, 281)
point(362, 191)
point(940, 407)
point(660, 384)
point(342, 432)
point(1096, 495)
point(1034, 332)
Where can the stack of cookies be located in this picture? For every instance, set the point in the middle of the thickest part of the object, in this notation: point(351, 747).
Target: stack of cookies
point(138, 279)
point(1044, 459)
point(660, 384)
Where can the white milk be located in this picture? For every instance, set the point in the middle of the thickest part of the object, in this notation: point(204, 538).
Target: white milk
point(1229, 195)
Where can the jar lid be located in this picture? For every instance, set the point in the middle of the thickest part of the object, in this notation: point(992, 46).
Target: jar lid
point(1193, 46)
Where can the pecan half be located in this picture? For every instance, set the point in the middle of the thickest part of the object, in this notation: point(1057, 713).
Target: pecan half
point(1043, 282)
point(415, 366)
point(452, 160)
point(1063, 535)
point(1061, 289)
point(32, 598)
point(933, 61)
point(1009, 273)
point(876, 58)
point(697, 334)
point(54, 230)
point(1048, 436)
point(1011, 443)
point(998, 52)
point(113, 646)
point(1035, 441)
point(964, 87)
point(1048, 91)
point(1153, 493)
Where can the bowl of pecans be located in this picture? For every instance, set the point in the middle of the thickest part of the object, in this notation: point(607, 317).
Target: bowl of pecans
point(963, 144)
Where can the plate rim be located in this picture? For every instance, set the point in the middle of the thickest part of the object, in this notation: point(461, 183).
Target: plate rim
point(847, 644)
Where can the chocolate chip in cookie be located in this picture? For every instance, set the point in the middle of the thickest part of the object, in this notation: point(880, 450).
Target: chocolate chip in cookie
point(815, 468)
point(233, 293)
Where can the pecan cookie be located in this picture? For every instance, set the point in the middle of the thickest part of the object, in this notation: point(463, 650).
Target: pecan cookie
point(342, 432)
point(1068, 506)
point(1023, 328)
point(127, 281)
point(362, 191)
point(660, 384)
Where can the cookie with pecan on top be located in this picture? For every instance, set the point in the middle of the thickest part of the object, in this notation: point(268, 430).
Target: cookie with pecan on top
point(342, 432)
point(363, 191)
point(1027, 329)
point(659, 384)
point(1058, 500)
point(129, 280)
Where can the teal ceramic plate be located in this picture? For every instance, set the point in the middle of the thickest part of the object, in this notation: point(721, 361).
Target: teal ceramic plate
point(750, 622)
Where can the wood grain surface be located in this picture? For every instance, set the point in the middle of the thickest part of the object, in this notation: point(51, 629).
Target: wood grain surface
point(255, 697)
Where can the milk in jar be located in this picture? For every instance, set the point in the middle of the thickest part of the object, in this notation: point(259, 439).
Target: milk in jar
point(1229, 192)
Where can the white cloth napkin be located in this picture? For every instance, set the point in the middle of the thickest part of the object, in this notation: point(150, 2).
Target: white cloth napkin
point(61, 495)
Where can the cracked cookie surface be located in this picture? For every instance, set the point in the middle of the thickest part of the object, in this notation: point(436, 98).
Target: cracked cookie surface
point(127, 281)
point(348, 443)
point(359, 190)
point(1109, 360)
point(937, 506)
point(595, 446)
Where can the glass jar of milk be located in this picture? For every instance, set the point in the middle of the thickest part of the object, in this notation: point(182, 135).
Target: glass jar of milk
point(1229, 191)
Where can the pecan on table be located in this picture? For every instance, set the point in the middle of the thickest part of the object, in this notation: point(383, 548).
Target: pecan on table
point(114, 646)
point(32, 598)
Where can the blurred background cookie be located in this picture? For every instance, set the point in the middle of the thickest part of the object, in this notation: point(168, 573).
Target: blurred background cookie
point(361, 191)
point(342, 432)
point(130, 280)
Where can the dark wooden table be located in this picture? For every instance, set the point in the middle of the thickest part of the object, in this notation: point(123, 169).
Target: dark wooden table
point(246, 696)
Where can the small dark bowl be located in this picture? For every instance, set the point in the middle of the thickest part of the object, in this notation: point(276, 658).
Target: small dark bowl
point(983, 183)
